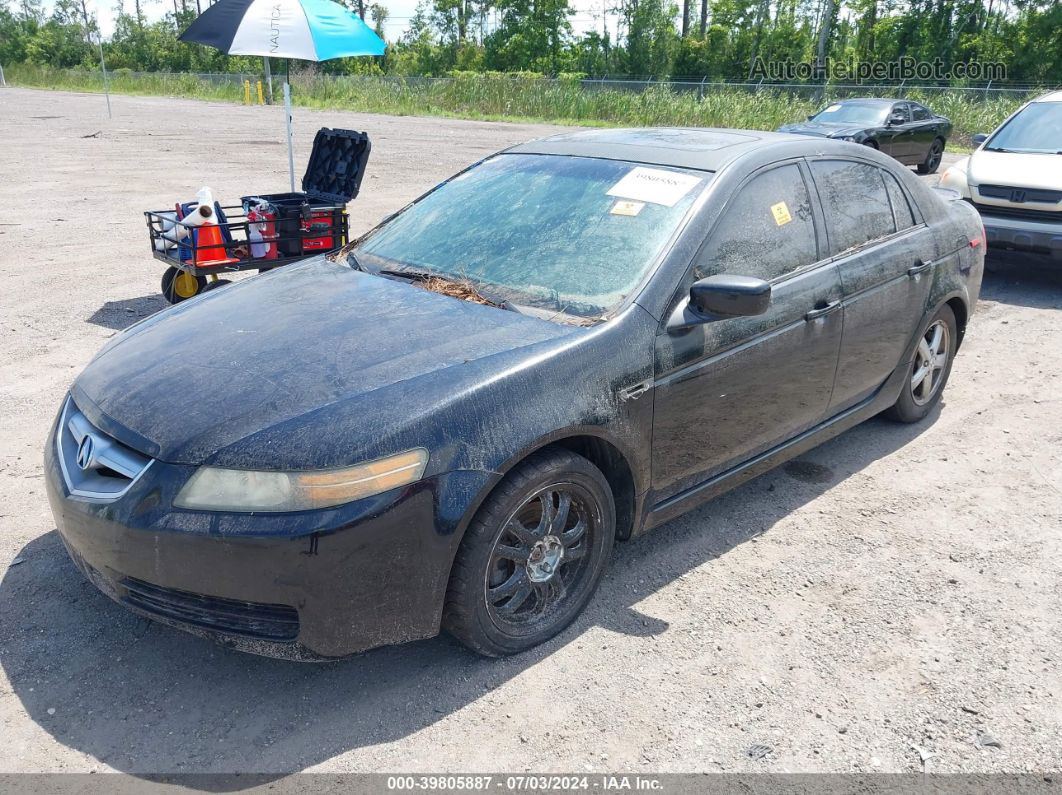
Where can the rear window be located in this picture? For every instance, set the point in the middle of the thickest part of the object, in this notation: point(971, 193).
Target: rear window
point(918, 113)
point(854, 201)
point(900, 206)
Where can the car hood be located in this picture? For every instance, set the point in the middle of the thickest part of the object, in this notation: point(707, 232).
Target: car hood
point(207, 373)
point(1012, 168)
point(821, 129)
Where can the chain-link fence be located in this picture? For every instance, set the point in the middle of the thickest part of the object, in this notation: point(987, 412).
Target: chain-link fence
point(700, 88)
point(699, 103)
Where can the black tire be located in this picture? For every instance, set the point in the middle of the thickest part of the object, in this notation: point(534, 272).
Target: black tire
point(176, 289)
point(213, 285)
point(933, 158)
point(497, 602)
point(871, 143)
point(914, 403)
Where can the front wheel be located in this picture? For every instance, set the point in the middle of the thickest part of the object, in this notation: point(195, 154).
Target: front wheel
point(533, 555)
point(929, 369)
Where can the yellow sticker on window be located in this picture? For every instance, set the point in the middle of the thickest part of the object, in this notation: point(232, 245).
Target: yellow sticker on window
point(781, 214)
point(626, 208)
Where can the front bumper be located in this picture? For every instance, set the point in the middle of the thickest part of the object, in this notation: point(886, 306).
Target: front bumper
point(309, 586)
point(1020, 235)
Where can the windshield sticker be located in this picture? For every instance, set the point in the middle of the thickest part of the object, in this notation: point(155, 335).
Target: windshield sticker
point(781, 214)
point(832, 108)
point(624, 207)
point(654, 185)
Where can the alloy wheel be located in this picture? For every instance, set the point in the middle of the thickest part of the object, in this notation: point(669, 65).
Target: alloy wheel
point(931, 358)
point(541, 557)
point(935, 154)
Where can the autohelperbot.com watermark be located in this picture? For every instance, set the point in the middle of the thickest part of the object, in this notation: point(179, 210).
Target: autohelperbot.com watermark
point(852, 70)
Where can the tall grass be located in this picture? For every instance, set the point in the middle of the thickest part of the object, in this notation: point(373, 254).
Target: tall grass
point(505, 97)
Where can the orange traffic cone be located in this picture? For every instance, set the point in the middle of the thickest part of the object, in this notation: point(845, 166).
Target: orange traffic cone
point(209, 248)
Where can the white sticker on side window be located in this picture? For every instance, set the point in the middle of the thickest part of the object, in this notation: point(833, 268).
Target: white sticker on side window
point(654, 185)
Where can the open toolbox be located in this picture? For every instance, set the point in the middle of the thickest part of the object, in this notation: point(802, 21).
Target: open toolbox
point(264, 231)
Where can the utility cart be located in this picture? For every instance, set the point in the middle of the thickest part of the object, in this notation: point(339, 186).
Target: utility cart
point(200, 241)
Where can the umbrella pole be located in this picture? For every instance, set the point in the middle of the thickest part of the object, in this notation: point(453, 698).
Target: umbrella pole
point(291, 149)
point(103, 70)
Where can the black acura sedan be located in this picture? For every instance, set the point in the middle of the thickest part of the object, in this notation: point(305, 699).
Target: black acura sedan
point(907, 131)
point(339, 454)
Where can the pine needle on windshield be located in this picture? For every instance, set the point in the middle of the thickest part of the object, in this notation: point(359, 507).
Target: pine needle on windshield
point(456, 288)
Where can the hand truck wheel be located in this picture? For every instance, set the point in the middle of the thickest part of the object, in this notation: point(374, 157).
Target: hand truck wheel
point(178, 285)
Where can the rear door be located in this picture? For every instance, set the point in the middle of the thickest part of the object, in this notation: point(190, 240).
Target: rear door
point(884, 257)
point(729, 389)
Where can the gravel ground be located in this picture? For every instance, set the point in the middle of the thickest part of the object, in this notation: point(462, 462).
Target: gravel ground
point(893, 595)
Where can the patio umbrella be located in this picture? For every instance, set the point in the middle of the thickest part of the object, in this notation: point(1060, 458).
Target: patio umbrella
point(308, 30)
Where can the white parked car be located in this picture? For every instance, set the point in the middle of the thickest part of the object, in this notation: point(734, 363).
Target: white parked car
point(1014, 179)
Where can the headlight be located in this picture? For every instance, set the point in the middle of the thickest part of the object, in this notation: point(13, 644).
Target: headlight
point(217, 489)
point(955, 178)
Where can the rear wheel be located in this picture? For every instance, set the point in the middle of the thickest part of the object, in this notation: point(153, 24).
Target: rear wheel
point(533, 555)
point(178, 285)
point(933, 157)
point(929, 369)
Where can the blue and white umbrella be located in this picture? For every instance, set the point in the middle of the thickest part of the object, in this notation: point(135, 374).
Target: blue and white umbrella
point(309, 30)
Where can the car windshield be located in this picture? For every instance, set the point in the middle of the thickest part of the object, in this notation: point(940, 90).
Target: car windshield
point(568, 234)
point(852, 113)
point(1038, 128)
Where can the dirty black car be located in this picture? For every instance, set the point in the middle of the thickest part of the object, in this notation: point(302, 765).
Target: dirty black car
point(907, 131)
point(448, 427)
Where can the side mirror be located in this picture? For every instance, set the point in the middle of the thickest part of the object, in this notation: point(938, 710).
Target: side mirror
point(719, 297)
point(896, 119)
point(979, 138)
point(811, 118)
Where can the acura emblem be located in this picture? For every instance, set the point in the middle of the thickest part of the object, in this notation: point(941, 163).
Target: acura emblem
point(1017, 196)
point(84, 451)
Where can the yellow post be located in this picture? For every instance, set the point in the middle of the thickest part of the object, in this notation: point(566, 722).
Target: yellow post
point(246, 92)
point(261, 98)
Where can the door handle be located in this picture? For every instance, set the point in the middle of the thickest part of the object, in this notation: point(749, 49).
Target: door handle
point(822, 310)
point(919, 267)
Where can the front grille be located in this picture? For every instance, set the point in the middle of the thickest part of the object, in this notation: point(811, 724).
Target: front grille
point(1012, 193)
point(1020, 213)
point(95, 466)
point(250, 619)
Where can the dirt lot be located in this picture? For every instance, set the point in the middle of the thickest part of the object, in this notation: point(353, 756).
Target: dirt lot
point(893, 595)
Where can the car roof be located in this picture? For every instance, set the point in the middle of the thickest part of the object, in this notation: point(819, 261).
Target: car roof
point(869, 101)
point(1053, 96)
point(702, 148)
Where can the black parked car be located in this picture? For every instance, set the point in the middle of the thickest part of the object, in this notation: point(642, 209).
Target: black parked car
point(356, 460)
point(907, 131)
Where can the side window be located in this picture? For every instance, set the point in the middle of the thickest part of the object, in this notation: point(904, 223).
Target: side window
point(854, 201)
point(918, 113)
point(900, 109)
point(900, 206)
point(766, 231)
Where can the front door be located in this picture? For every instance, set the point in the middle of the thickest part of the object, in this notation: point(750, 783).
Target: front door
point(900, 137)
point(732, 388)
